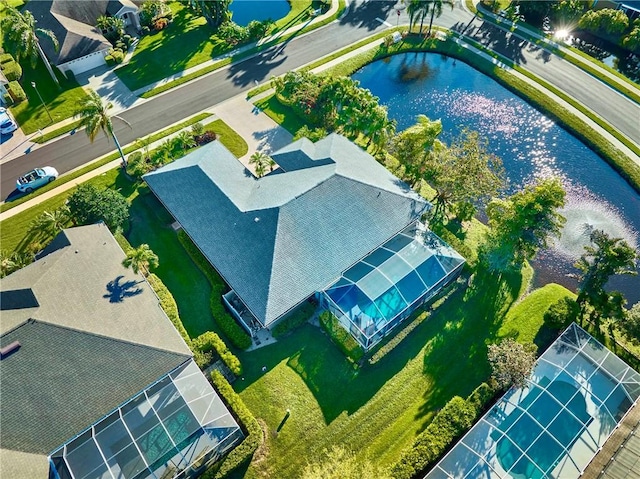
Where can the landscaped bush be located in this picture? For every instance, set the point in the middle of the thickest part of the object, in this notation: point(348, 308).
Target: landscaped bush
point(210, 341)
point(561, 313)
point(450, 423)
point(230, 328)
point(145, 30)
point(341, 337)
point(258, 29)
point(242, 453)
point(233, 33)
point(169, 306)
point(16, 92)
point(206, 137)
point(606, 20)
point(137, 165)
point(12, 70)
point(297, 317)
point(117, 55)
point(160, 23)
point(5, 58)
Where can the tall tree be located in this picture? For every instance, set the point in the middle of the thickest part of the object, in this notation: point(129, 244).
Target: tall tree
point(435, 8)
point(50, 223)
point(464, 174)
point(141, 258)
point(94, 117)
point(602, 259)
point(261, 162)
point(89, 205)
point(215, 12)
point(411, 147)
point(630, 325)
point(522, 224)
point(511, 363)
point(23, 35)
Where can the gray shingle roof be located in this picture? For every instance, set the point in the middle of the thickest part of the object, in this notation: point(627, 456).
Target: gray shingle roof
point(62, 380)
point(73, 23)
point(279, 239)
point(82, 284)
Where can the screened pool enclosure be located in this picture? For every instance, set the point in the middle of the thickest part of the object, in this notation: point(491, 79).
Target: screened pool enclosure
point(170, 429)
point(552, 428)
point(382, 289)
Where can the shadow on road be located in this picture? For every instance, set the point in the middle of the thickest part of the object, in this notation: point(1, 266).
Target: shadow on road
point(364, 15)
point(259, 68)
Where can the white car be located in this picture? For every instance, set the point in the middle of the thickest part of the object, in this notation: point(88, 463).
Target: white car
point(7, 125)
point(36, 178)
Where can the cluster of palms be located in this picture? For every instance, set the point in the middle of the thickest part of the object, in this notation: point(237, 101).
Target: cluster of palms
point(418, 10)
point(336, 104)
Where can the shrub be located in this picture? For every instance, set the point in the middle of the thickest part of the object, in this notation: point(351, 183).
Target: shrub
point(210, 341)
point(295, 318)
point(109, 59)
point(451, 422)
point(6, 58)
point(118, 56)
point(632, 40)
point(233, 33)
point(169, 306)
point(206, 137)
point(127, 40)
point(12, 71)
point(230, 328)
point(88, 205)
point(242, 453)
point(7, 99)
point(341, 337)
point(137, 165)
point(16, 92)
point(258, 29)
point(606, 20)
point(145, 30)
point(160, 23)
point(197, 129)
point(561, 313)
point(120, 45)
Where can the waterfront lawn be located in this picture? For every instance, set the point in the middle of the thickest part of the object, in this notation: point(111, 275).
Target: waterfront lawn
point(377, 410)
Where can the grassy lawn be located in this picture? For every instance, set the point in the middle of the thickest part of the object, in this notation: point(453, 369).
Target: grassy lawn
point(187, 42)
point(382, 407)
point(283, 115)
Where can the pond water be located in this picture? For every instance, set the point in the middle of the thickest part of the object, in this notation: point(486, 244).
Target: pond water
point(246, 10)
point(530, 145)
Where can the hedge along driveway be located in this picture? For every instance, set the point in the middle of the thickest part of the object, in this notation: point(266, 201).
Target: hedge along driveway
point(187, 41)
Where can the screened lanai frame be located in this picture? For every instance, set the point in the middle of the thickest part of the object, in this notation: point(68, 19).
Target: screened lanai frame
point(577, 394)
point(168, 430)
point(386, 286)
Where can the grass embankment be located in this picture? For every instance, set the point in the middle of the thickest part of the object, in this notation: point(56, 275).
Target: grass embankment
point(238, 56)
point(224, 129)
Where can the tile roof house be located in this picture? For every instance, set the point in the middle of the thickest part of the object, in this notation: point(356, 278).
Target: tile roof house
point(95, 380)
point(282, 238)
point(82, 45)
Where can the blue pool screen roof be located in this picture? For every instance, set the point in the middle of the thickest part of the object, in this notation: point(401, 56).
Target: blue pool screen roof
point(158, 433)
point(394, 276)
point(552, 428)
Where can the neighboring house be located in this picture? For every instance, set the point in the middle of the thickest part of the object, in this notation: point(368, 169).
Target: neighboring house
point(96, 381)
point(575, 399)
point(331, 222)
point(82, 46)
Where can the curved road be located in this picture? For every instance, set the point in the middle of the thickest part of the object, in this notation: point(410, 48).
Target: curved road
point(361, 21)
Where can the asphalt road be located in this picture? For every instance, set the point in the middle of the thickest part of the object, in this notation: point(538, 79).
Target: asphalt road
point(361, 21)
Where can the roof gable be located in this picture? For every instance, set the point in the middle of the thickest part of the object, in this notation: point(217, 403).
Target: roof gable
point(279, 238)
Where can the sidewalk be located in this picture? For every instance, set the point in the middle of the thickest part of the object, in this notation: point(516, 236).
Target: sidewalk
point(107, 84)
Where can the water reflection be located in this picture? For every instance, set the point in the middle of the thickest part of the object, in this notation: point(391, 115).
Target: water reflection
point(530, 144)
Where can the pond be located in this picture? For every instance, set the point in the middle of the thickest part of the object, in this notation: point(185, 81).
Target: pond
point(244, 11)
point(530, 145)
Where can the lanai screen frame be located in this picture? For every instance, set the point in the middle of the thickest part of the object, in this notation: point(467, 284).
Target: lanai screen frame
point(414, 254)
point(197, 406)
point(602, 379)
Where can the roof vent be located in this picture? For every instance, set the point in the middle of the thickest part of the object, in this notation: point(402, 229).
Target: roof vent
point(9, 348)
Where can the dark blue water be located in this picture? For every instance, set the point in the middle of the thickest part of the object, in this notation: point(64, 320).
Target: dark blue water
point(530, 145)
point(246, 10)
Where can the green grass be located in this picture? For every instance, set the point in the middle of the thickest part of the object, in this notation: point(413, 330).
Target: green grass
point(56, 133)
point(61, 103)
point(385, 405)
point(107, 159)
point(229, 138)
point(281, 114)
point(525, 321)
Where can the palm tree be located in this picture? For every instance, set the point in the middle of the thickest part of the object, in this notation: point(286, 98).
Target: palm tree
point(94, 117)
point(185, 141)
point(141, 258)
point(261, 162)
point(435, 7)
point(50, 223)
point(21, 29)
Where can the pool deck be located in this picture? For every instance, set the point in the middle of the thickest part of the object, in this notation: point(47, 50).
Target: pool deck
point(601, 465)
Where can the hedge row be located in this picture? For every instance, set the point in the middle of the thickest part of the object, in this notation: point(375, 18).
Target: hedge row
point(210, 341)
point(16, 91)
point(456, 417)
point(231, 329)
point(295, 318)
point(168, 305)
point(341, 337)
point(242, 453)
